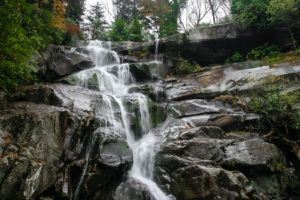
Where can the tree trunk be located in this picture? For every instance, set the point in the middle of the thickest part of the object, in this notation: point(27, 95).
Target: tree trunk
point(292, 38)
point(212, 9)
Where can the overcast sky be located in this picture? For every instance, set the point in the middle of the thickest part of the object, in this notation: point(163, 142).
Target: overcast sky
point(107, 3)
point(109, 9)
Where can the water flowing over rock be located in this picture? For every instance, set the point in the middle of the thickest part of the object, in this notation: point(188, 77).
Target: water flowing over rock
point(58, 62)
point(125, 114)
point(128, 131)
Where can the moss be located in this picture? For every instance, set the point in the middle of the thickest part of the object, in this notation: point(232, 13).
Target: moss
point(291, 57)
point(71, 80)
point(238, 134)
point(268, 185)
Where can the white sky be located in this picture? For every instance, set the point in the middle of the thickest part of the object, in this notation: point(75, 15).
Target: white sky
point(107, 3)
point(109, 11)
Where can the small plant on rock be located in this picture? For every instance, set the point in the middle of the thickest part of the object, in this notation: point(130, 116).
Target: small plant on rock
point(236, 57)
point(184, 67)
point(278, 109)
point(263, 51)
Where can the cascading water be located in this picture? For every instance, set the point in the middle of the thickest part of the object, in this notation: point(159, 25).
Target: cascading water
point(113, 79)
point(156, 49)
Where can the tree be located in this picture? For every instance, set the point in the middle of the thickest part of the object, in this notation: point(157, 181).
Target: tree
point(251, 13)
point(285, 12)
point(96, 23)
point(25, 28)
point(265, 14)
point(136, 31)
point(75, 10)
point(126, 9)
point(122, 31)
point(162, 15)
point(119, 31)
point(196, 12)
point(59, 15)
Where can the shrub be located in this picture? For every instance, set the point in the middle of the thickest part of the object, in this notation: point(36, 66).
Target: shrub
point(263, 51)
point(251, 14)
point(298, 51)
point(183, 66)
point(236, 57)
point(278, 109)
point(122, 31)
point(24, 30)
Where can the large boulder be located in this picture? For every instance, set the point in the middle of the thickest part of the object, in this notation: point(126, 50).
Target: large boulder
point(226, 79)
point(101, 168)
point(148, 71)
point(155, 91)
point(207, 163)
point(132, 189)
point(144, 114)
point(33, 142)
point(253, 155)
point(59, 61)
point(57, 139)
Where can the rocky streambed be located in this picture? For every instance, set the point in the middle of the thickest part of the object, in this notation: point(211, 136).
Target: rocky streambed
point(207, 149)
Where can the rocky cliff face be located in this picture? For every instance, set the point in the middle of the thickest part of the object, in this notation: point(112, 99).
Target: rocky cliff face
point(210, 149)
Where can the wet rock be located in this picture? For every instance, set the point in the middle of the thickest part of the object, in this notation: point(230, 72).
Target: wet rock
point(226, 79)
point(137, 116)
point(115, 152)
point(154, 91)
point(199, 182)
point(193, 163)
point(148, 71)
point(192, 178)
point(61, 62)
point(103, 168)
point(3, 99)
point(75, 98)
point(33, 146)
point(195, 107)
point(228, 122)
point(253, 155)
point(132, 189)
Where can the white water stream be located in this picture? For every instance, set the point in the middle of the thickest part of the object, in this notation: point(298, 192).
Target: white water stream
point(114, 80)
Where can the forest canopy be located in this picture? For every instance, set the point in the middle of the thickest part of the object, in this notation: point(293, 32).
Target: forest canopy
point(29, 26)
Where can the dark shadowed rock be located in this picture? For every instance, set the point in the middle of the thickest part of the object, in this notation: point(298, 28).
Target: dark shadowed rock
point(226, 79)
point(60, 62)
point(33, 144)
point(148, 71)
point(155, 91)
point(132, 189)
point(253, 155)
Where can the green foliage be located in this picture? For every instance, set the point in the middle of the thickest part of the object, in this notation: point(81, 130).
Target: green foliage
point(121, 31)
point(185, 67)
point(277, 107)
point(251, 13)
point(141, 54)
point(236, 57)
point(298, 50)
point(126, 9)
point(263, 51)
point(96, 23)
point(282, 11)
point(170, 25)
point(136, 30)
point(25, 29)
point(75, 10)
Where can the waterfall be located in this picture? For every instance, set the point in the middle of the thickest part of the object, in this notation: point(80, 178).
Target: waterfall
point(156, 49)
point(114, 79)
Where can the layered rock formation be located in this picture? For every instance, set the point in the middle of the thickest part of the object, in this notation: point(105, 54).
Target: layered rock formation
point(209, 149)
